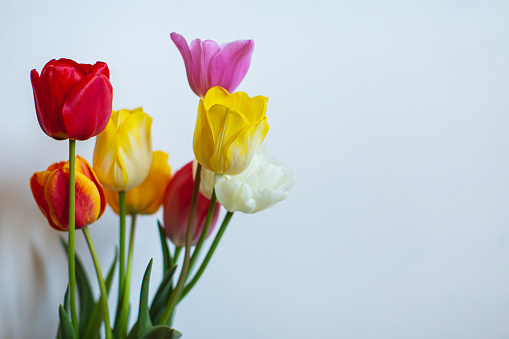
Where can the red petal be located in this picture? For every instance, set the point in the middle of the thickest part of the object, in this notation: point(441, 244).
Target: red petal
point(101, 68)
point(56, 193)
point(37, 184)
point(87, 202)
point(58, 80)
point(41, 105)
point(87, 109)
point(87, 170)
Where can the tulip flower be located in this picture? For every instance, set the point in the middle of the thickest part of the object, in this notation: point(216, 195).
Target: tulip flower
point(148, 196)
point(229, 130)
point(264, 183)
point(209, 64)
point(123, 151)
point(177, 204)
point(72, 100)
point(51, 192)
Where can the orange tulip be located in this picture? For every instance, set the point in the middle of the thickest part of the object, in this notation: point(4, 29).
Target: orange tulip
point(147, 197)
point(51, 193)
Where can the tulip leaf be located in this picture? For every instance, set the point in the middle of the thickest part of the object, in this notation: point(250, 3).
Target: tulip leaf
point(67, 307)
point(167, 260)
point(161, 332)
point(134, 332)
point(94, 325)
point(162, 295)
point(144, 322)
point(66, 329)
point(67, 301)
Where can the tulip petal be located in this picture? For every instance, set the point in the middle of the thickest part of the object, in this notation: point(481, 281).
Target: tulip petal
point(183, 48)
point(37, 184)
point(84, 167)
point(87, 109)
point(56, 193)
point(267, 197)
point(202, 54)
point(51, 123)
point(100, 68)
point(231, 64)
point(58, 78)
point(226, 125)
point(203, 139)
point(242, 149)
point(234, 195)
point(88, 201)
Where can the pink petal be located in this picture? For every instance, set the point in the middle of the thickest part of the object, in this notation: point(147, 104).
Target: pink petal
point(231, 64)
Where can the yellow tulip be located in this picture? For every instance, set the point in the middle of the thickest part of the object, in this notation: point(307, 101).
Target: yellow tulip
point(229, 130)
point(123, 151)
point(147, 197)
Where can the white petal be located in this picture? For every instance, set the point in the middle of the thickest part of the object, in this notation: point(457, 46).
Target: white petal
point(267, 197)
point(235, 196)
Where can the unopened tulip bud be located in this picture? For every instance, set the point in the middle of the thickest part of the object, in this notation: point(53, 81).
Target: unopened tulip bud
point(177, 204)
point(51, 192)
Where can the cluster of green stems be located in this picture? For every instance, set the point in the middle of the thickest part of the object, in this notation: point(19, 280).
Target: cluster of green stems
point(183, 284)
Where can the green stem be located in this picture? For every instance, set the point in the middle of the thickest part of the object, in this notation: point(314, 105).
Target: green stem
point(125, 307)
point(205, 262)
point(204, 233)
point(102, 285)
point(72, 269)
point(175, 295)
point(177, 253)
point(121, 262)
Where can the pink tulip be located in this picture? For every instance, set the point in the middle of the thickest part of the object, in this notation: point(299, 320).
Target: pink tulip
point(209, 64)
point(177, 204)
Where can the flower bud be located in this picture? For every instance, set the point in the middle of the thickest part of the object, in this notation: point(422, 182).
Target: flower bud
point(72, 100)
point(209, 64)
point(123, 151)
point(177, 204)
point(51, 192)
point(229, 130)
point(147, 197)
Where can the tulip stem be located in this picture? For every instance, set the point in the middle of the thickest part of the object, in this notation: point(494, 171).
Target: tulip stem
point(72, 270)
point(175, 295)
point(121, 262)
point(125, 308)
point(205, 262)
point(102, 285)
point(204, 233)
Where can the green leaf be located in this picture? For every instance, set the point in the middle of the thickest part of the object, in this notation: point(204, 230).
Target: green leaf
point(167, 260)
point(144, 323)
point(162, 295)
point(67, 307)
point(67, 301)
point(85, 294)
point(66, 329)
point(161, 332)
point(93, 327)
point(134, 332)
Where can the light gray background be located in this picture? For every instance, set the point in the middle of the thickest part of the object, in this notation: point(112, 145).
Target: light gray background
point(392, 114)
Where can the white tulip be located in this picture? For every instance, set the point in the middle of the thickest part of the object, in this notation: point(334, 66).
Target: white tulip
point(264, 183)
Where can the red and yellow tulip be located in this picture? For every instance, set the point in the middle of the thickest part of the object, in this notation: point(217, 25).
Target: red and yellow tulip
point(51, 192)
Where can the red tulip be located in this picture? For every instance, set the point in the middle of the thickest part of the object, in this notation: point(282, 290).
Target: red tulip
point(72, 100)
point(177, 204)
point(51, 192)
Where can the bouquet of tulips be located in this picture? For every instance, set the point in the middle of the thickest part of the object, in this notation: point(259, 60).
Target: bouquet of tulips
point(74, 102)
